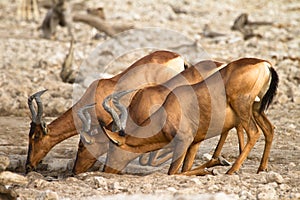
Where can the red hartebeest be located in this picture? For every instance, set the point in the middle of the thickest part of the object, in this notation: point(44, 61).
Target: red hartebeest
point(154, 68)
point(146, 101)
point(184, 118)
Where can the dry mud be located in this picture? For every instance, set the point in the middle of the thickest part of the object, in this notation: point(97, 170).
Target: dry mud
point(29, 63)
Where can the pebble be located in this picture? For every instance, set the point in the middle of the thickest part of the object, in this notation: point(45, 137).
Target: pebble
point(171, 189)
point(40, 183)
point(245, 195)
point(297, 99)
point(213, 188)
point(274, 177)
point(117, 186)
point(206, 157)
point(283, 99)
point(48, 195)
point(266, 192)
point(196, 181)
point(4, 162)
point(32, 176)
point(10, 178)
point(291, 166)
point(100, 182)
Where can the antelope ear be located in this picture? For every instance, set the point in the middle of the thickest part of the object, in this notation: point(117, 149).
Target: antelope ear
point(115, 137)
point(44, 126)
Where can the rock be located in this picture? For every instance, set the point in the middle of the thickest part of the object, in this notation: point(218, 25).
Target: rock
point(99, 182)
point(213, 188)
point(206, 157)
point(171, 189)
point(4, 162)
point(196, 181)
point(266, 192)
point(297, 99)
point(7, 193)
point(40, 183)
point(32, 176)
point(116, 186)
point(9, 178)
point(48, 195)
point(283, 99)
point(245, 195)
point(274, 177)
point(295, 196)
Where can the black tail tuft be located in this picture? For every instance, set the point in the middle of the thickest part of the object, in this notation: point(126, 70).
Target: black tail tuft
point(186, 65)
point(268, 98)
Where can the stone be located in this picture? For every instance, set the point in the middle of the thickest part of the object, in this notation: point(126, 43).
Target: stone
point(34, 175)
point(292, 165)
point(244, 195)
point(283, 99)
point(297, 99)
point(100, 182)
point(206, 157)
point(10, 178)
point(116, 186)
point(196, 181)
point(171, 189)
point(266, 192)
point(7, 193)
point(40, 183)
point(4, 162)
point(274, 177)
point(48, 195)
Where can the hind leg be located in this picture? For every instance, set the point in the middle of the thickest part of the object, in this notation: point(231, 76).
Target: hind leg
point(268, 131)
point(253, 135)
point(243, 109)
point(240, 133)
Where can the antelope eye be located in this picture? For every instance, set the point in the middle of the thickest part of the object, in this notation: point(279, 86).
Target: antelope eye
point(36, 136)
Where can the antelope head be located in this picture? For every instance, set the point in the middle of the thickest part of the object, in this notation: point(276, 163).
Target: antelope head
point(119, 121)
point(37, 134)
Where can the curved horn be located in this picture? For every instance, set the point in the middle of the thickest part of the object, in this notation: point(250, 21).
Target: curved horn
point(120, 121)
point(121, 107)
point(36, 118)
point(85, 117)
point(31, 108)
point(111, 111)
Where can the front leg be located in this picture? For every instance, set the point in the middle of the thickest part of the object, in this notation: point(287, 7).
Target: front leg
point(190, 157)
point(215, 161)
point(182, 143)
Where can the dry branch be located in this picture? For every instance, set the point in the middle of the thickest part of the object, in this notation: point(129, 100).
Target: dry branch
point(101, 25)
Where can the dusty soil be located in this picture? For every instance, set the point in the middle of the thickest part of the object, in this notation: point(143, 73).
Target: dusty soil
point(29, 63)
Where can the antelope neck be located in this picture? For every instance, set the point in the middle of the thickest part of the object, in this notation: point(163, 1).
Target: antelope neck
point(63, 127)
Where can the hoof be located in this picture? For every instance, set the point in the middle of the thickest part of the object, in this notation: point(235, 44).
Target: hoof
point(223, 161)
point(261, 170)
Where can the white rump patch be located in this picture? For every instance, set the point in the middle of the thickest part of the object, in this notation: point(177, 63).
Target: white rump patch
point(177, 64)
point(257, 99)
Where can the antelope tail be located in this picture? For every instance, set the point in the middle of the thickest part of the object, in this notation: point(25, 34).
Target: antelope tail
point(271, 92)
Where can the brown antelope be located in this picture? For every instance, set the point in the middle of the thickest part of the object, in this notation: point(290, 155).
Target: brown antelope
point(156, 67)
point(184, 119)
point(144, 103)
